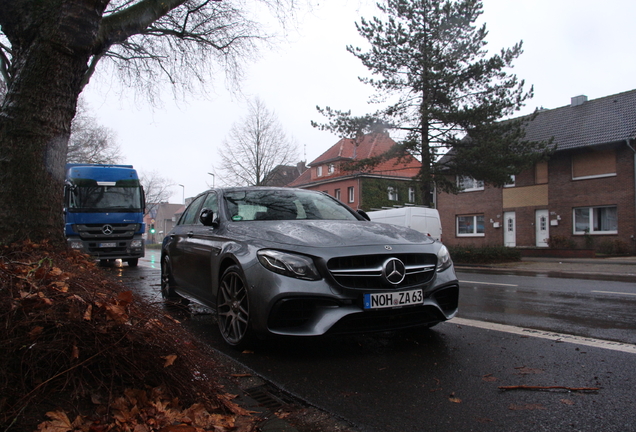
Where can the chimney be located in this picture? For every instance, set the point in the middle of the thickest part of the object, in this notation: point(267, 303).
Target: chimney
point(578, 100)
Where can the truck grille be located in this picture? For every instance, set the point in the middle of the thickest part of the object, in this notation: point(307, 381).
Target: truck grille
point(106, 231)
point(369, 271)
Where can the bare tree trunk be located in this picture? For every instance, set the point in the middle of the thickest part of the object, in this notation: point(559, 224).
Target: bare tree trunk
point(35, 119)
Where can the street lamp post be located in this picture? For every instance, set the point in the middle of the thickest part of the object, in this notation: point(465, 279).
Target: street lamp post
point(212, 179)
point(183, 192)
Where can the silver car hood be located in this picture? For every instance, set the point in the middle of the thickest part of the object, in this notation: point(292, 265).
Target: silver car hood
point(327, 233)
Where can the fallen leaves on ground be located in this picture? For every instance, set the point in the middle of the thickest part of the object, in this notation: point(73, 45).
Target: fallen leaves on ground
point(81, 350)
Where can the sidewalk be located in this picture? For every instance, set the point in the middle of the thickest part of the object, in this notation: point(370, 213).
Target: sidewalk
point(613, 269)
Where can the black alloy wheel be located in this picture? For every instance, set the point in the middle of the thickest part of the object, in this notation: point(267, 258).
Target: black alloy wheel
point(233, 308)
point(167, 282)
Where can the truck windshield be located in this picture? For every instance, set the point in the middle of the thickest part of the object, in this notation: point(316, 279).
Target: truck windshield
point(105, 198)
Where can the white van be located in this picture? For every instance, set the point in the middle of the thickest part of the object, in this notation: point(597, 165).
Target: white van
point(423, 219)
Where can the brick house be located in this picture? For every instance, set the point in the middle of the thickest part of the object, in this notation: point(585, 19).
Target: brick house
point(282, 175)
point(386, 185)
point(583, 197)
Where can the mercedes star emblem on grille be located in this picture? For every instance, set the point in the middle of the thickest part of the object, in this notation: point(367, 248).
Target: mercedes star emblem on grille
point(107, 229)
point(394, 271)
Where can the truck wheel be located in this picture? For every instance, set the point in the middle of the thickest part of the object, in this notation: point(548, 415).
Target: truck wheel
point(133, 262)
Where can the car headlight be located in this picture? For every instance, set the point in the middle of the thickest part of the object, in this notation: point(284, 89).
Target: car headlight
point(443, 259)
point(292, 265)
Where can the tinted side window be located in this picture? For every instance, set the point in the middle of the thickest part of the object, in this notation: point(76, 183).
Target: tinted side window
point(191, 215)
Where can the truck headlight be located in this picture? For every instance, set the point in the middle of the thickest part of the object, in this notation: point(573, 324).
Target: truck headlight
point(292, 265)
point(76, 245)
point(136, 243)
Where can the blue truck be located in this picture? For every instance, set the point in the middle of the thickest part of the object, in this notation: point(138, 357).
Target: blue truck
point(104, 209)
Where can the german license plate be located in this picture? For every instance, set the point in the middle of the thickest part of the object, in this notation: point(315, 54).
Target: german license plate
point(107, 245)
point(393, 299)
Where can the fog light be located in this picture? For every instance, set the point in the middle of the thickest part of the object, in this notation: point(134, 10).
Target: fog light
point(76, 245)
point(136, 243)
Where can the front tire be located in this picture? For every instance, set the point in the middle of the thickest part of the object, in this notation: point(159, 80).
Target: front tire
point(233, 308)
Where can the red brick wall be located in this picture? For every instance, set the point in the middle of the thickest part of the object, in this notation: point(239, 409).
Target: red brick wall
point(487, 202)
point(343, 185)
point(564, 194)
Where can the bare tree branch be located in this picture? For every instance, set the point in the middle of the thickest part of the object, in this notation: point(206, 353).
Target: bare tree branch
point(256, 145)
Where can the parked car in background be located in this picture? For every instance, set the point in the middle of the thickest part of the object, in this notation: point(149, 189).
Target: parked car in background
point(294, 262)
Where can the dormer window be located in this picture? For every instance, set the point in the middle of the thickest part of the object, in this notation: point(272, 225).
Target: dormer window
point(468, 184)
point(319, 171)
point(331, 169)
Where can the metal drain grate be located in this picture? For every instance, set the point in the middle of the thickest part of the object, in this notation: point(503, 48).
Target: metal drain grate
point(268, 397)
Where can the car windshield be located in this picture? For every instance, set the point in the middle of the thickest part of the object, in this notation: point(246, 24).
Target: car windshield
point(267, 204)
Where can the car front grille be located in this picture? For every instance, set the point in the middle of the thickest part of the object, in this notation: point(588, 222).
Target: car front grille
point(366, 271)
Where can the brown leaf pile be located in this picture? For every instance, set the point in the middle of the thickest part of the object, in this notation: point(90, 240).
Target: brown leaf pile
point(78, 345)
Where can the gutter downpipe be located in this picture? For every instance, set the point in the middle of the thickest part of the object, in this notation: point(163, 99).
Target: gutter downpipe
point(634, 151)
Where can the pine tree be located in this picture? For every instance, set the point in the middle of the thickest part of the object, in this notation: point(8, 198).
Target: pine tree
point(442, 92)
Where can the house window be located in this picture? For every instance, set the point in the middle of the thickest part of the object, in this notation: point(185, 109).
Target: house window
point(351, 194)
point(412, 194)
point(393, 193)
point(593, 165)
point(331, 168)
point(337, 194)
point(470, 226)
point(511, 183)
point(468, 184)
point(596, 220)
point(319, 171)
point(541, 172)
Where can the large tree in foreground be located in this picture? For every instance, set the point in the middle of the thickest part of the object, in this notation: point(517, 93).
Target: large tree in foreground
point(257, 144)
point(438, 86)
point(48, 52)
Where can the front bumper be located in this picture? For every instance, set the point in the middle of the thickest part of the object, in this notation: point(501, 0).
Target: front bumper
point(291, 307)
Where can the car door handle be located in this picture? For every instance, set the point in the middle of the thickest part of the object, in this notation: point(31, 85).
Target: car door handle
point(190, 233)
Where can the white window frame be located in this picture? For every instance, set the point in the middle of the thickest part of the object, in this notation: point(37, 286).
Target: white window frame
point(319, 171)
point(331, 168)
point(469, 184)
point(337, 194)
point(592, 216)
point(412, 194)
point(351, 193)
point(474, 224)
point(512, 182)
point(392, 193)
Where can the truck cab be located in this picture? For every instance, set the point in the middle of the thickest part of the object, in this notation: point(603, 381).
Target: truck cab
point(104, 207)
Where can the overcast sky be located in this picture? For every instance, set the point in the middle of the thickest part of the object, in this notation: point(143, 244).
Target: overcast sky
point(571, 48)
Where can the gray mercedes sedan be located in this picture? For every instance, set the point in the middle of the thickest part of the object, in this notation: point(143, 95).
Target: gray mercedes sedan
point(294, 262)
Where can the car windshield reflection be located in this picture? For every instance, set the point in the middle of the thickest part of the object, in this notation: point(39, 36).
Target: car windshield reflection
point(254, 205)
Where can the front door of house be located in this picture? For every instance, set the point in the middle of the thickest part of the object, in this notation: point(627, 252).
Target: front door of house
point(542, 227)
point(510, 230)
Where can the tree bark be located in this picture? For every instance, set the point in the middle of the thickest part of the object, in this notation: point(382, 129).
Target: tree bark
point(51, 48)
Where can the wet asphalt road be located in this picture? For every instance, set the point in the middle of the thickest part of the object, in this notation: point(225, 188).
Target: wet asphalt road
point(448, 378)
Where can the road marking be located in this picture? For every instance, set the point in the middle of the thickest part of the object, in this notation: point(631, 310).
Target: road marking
point(557, 337)
point(489, 283)
point(614, 292)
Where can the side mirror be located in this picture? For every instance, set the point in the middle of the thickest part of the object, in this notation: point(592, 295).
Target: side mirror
point(364, 214)
point(207, 217)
